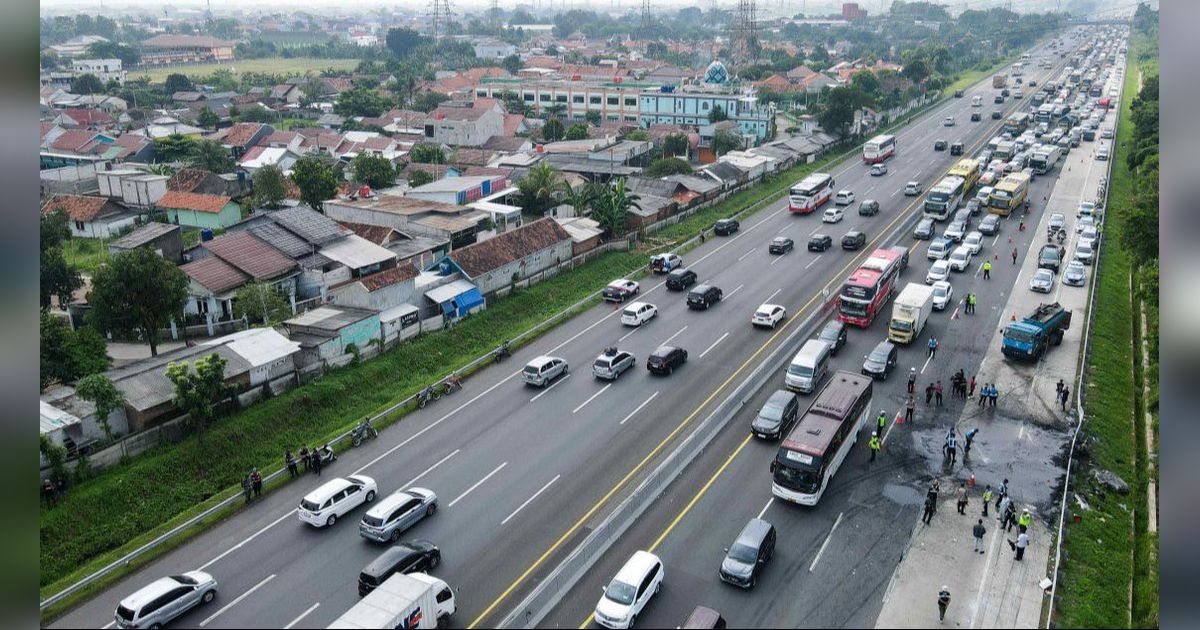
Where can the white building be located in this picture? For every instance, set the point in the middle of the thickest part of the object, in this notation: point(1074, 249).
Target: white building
point(494, 49)
point(106, 69)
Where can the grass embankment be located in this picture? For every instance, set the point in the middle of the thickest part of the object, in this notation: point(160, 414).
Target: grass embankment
point(128, 505)
point(1109, 565)
point(85, 254)
point(273, 65)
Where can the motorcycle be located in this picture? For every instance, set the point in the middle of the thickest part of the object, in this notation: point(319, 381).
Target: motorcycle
point(327, 455)
point(503, 352)
point(363, 431)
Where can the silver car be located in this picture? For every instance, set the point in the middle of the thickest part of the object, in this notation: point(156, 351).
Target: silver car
point(396, 513)
point(611, 363)
point(1075, 275)
point(543, 369)
point(164, 599)
point(1042, 281)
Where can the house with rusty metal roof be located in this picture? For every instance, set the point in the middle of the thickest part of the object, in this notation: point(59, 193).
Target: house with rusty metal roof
point(221, 266)
point(241, 136)
point(514, 255)
point(199, 210)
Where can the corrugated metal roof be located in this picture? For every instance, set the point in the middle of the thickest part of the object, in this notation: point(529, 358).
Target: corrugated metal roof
point(143, 235)
point(448, 292)
point(330, 317)
point(356, 252)
point(258, 346)
point(251, 255)
point(308, 224)
point(54, 419)
point(280, 238)
point(215, 274)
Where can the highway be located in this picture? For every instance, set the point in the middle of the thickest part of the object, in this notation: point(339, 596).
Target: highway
point(523, 474)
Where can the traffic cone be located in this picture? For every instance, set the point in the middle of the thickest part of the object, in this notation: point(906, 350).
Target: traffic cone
point(955, 314)
point(1014, 317)
point(971, 481)
point(899, 418)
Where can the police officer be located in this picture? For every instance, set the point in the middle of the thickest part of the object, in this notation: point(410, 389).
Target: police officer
point(874, 444)
point(882, 422)
point(1024, 521)
point(933, 344)
point(987, 498)
point(987, 270)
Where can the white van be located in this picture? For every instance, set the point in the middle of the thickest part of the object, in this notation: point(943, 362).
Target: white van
point(808, 367)
point(629, 592)
point(977, 101)
point(960, 258)
point(323, 506)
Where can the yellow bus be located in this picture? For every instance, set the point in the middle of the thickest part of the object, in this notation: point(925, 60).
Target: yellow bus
point(968, 169)
point(1009, 194)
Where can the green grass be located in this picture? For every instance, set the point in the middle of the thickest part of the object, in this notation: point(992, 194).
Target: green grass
point(287, 124)
point(276, 65)
point(127, 505)
point(1107, 562)
point(85, 254)
point(288, 40)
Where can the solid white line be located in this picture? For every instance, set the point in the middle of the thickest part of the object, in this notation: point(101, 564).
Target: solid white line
point(751, 251)
point(234, 602)
point(777, 259)
point(927, 360)
point(955, 314)
point(547, 390)
point(714, 344)
point(764, 510)
point(979, 269)
point(772, 295)
point(302, 615)
point(529, 500)
point(896, 193)
point(816, 229)
point(243, 542)
point(668, 340)
point(626, 335)
point(987, 570)
point(477, 484)
point(814, 261)
point(739, 288)
point(995, 239)
point(593, 397)
point(639, 407)
point(430, 469)
point(108, 625)
point(826, 543)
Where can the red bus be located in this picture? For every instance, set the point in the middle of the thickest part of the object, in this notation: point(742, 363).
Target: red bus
point(810, 193)
point(879, 148)
point(868, 289)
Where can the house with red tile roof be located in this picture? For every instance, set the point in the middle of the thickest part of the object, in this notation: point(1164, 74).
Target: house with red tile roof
point(380, 291)
point(225, 264)
point(92, 216)
point(85, 119)
point(199, 210)
point(494, 264)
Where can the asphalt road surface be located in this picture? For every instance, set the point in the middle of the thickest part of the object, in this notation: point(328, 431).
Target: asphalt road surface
point(523, 474)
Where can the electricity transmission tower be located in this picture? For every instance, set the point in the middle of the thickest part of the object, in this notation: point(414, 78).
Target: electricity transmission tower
point(745, 31)
point(440, 15)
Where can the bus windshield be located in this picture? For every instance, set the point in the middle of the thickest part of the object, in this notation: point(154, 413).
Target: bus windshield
point(801, 479)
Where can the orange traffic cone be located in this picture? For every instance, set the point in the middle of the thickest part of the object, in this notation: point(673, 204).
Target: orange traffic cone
point(996, 257)
point(899, 418)
point(1014, 317)
point(971, 480)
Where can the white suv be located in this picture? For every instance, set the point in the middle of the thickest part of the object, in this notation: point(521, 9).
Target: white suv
point(323, 506)
point(165, 599)
point(629, 592)
point(844, 198)
point(638, 313)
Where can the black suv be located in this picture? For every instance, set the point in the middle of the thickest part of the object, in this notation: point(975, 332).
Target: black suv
point(975, 117)
point(956, 148)
point(665, 359)
point(869, 207)
point(881, 361)
point(725, 227)
point(996, 115)
point(958, 93)
point(703, 296)
point(939, 145)
point(680, 279)
point(407, 557)
point(1050, 257)
point(819, 242)
point(780, 245)
point(834, 334)
point(854, 240)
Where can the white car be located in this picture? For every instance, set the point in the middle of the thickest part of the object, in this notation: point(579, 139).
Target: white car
point(960, 258)
point(638, 313)
point(620, 290)
point(769, 315)
point(832, 215)
point(629, 592)
point(948, 122)
point(843, 198)
point(1074, 275)
point(165, 599)
point(1042, 281)
point(336, 497)
point(1086, 209)
point(1084, 253)
point(973, 241)
point(940, 270)
point(1088, 236)
point(912, 189)
point(942, 294)
point(1083, 223)
point(879, 169)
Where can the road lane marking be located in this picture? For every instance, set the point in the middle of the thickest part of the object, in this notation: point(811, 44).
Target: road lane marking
point(235, 602)
point(668, 340)
point(764, 510)
point(743, 256)
point(302, 616)
point(995, 239)
point(955, 315)
point(246, 540)
point(987, 569)
point(814, 261)
point(108, 625)
point(530, 500)
point(547, 390)
point(626, 335)
point(591, 398)
point(896, 193)
point(739, 288)
point(817, 229)
point(477, 484)
point(430, 469)
point(777, 259)
point(768, 300)
point(826, 543)
point(928, 358)
point(714, 344)
point(639, 407)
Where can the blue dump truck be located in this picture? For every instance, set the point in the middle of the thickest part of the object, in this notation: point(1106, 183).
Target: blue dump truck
point(1030, 337)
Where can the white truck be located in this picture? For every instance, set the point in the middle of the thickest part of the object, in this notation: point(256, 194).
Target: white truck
point(1044, 158)
point(910, 311)
point(415, 600)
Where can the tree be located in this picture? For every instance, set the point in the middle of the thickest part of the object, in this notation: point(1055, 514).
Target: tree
point(128, 55)
point(717, 114)
point(427, 154)
point(312, 90)
point(916, 70)
point(270, 187)
point(173, 147)
point(592, 116)
point(402, 41)
point(177, 83)
point(138, 292)
point(676, 144)
point(374, 170)
point(207, 118)
point(667, 166)
point(260, 302)
point(98, 389)
point(360, 101)
point(65, 354)
point(837, 114)
point(428, 101)
point(512, 63)
point(725, 141)
point(538, 188)
point(198, 393)
point(582, 196)
point(866, 81)
point(257, 113)
point(611, 210)
point(578, 131)
point(553, 130)
point(419, 178)
point(58, 279)
point(87, 84)
point(315, 180)
point(209, 155)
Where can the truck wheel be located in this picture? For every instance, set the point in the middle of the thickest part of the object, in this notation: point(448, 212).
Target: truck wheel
point(1058, 337)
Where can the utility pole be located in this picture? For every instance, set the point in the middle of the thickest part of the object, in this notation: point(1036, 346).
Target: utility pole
point(645, 16)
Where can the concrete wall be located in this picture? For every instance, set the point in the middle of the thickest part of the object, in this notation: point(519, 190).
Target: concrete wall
point(355, 294)
point(502, 277)
point(103, 228)
point(361, 333)
point(229, 215)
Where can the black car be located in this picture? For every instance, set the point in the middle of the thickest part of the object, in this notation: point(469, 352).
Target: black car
point(749, 554)
point(975, 117)
point(780, 245)
point(958, 93)
point(665, 359)
point(924, 229)
point(881, 361)
point(956, 148)
point(703, 296)
point(680, 279)
point(996, 115)
point(854, 240)
point(999, 99)
point(777, 415)
point(1050, 257)
point(939, 145)
point(819, 242)
point(834, 334)
point(417, 556)
point(725, 227)
point(990, 224)
point(869, 207)
point(1004, 92)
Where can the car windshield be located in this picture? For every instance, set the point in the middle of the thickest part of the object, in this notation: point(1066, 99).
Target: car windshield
point(901, 325)
point(802, 479)
point(743, 553)
point(1042, 276)
point(531, 369)
point(125, 613)
point(372, 521)
point(939, 292)
point(878, 355)
point(620, 592)
point(602, 363)
point(796, 369)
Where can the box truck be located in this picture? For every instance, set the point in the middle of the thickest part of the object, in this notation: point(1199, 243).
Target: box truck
point(415, 600)
point(910, 311)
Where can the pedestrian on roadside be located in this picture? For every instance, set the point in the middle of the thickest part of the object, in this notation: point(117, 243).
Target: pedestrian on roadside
point(1019, 545)
point(290, 460)
point(1065, 396)
point(971, 391)
point(978, 531)
point(912, 379)
point(1010, 515)
point(962, 498)
point(874, 445)
point(970, 435)
point(246, 487)
point(701, 237)
point(1001, 493)
point(1014, 255)
point(304, 457)
point(971, 297)
point(1024, 521)
point(943, 602)
point(256, 481)
point(882, 421)
point(49, 493)
point(987, 499)
point(933, 344)
point(928, 393)
point(909, 407)
point(937, 390)
point(994, 395)
point(316, 462)
point(927, 516)
point(987, 270)
point(950, 448)
point(1058, 387)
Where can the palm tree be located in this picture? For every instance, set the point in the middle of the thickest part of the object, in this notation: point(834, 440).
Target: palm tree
point(580, 197)
point(211, 156)
point(157, 169)
point(611, 210)
point(538, 188)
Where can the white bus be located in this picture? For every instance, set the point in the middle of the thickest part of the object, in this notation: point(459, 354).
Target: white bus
point(816, 448)
point(879, 148)
point(810, 193)
point(944, 198)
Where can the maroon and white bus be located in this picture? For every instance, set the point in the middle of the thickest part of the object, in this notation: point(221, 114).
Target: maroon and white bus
point(879, 148)
point(810, 193)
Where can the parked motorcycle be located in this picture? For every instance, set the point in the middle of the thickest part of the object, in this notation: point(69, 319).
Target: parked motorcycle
point(503, 352)
point(363, 431)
